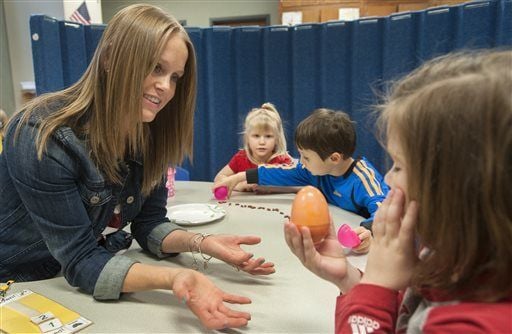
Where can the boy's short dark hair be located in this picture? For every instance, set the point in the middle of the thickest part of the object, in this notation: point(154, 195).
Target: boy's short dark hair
point(326, 131)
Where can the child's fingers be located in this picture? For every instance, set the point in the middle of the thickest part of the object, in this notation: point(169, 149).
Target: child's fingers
point(409, 222)
point(230, 189)
point(332, 229)
point(307, 242)
point(378, 226)
point(363, 233)
point(394, 214)
point(293, 239)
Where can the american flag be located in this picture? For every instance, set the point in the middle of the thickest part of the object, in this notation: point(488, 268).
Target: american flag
point(81, 15)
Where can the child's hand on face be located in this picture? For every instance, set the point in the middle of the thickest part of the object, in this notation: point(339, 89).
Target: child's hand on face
point(392, 255)
point(366, 239)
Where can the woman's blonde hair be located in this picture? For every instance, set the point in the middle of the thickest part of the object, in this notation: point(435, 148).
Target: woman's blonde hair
point(3, 121)
point(453, 120)
point(264, 118)
point(109, 95)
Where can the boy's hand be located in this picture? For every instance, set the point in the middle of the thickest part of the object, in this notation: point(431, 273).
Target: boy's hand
point(245, 187)
point(230, 182)
point(366, 239)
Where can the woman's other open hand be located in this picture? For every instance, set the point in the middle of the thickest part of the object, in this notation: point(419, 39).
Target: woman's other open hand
point(207, 301)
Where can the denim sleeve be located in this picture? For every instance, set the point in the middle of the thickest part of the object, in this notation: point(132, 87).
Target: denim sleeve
point(151, 225)
point(49, 192)
point(111, 279)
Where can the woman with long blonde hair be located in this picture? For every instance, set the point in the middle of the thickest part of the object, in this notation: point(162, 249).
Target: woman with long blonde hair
point(82, 163)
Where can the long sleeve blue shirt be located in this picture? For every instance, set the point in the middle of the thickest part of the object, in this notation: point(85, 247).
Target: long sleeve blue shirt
point(360, 190)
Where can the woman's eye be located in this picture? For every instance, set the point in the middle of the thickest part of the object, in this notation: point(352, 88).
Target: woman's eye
point(175, 78)
point(158, 69)
point(396, 168)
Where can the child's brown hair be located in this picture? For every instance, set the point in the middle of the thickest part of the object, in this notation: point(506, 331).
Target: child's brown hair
point(325, 132)
point(453, 119)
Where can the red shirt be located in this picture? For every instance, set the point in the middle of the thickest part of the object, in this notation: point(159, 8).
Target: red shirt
point(240, 162)
point(370, 308)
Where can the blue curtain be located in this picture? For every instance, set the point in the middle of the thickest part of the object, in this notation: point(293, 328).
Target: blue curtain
point(338, 65)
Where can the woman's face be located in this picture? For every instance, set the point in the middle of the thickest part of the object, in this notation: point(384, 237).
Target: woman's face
point(160, 85)
point(396, 177)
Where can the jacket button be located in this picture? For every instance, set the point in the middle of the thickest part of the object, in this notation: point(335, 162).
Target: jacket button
point(95, 199)
point(129, 199)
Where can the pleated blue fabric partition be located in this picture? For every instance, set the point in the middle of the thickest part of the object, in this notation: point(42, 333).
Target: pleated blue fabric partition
point(275, 51)
point(338, 65)
point(73, 51)
point(46, 54)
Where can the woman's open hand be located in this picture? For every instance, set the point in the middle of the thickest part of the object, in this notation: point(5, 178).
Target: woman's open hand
point(227, 248)
point(206, 301)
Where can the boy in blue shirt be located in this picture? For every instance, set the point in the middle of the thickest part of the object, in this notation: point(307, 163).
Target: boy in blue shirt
point(326, 141)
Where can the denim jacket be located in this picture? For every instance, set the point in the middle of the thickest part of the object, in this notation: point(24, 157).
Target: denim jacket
point(53, 211)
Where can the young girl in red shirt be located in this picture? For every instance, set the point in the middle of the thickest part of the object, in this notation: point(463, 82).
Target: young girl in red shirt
point(440, 259)
point(264, 143)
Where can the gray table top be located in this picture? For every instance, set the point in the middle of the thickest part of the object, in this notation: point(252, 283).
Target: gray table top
point(293, 300)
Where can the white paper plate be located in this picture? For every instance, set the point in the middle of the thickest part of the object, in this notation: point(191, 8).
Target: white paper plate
point(195, 214)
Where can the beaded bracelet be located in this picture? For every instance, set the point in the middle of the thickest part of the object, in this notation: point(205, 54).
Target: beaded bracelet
point(194, 247)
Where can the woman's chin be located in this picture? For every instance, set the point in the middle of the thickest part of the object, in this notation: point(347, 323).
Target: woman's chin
point(148, 116)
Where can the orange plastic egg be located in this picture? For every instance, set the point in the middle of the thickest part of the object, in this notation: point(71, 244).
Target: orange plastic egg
point(309, 208)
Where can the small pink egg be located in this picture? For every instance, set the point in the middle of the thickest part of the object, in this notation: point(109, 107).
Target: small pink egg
point(347, 237)
point(221, 193)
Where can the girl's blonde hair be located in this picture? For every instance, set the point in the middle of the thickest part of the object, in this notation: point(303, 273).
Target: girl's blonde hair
point(264, 118)
point(105, 105)
point(453, 120)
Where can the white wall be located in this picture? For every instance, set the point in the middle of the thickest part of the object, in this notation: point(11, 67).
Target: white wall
point(6, 93)
point(198, 12)
point(17, 14)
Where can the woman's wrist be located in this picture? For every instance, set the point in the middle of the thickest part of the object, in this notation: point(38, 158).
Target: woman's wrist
point(141, 277)
point(199, 251)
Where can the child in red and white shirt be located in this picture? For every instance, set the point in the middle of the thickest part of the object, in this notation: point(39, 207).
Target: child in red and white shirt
point(447, 127)
point(264, 143)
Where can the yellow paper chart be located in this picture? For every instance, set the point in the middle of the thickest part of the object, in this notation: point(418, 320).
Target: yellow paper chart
point(30, 312)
